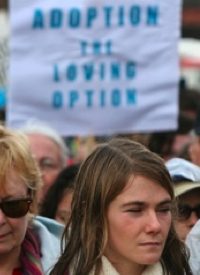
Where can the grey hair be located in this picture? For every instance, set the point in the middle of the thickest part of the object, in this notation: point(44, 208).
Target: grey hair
point(34, 126)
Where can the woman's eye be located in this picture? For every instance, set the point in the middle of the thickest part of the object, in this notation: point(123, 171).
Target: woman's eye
point(134, 210)
point(166, 209)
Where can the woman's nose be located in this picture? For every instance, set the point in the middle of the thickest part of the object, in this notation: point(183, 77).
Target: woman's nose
point(193, 218)
point(153, 223)
point(2, 217)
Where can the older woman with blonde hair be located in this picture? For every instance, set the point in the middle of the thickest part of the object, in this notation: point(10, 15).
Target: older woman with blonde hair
point(28, 244)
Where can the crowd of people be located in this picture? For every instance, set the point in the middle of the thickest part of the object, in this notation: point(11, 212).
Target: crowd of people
point(122, 210)
point(128, 205)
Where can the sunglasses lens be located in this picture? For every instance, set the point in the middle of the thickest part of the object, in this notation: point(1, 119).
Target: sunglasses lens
point(184, 212)
point(16, 208)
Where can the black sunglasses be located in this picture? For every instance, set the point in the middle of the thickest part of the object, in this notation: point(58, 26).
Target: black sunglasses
point(185, 211)
point(15, 208)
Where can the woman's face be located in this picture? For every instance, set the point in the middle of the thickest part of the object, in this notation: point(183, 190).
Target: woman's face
point(139, 219)
point(183, 226)
point(12, 230)
point(64, 207)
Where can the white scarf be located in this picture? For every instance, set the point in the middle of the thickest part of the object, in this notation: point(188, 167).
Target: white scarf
point(108, 269)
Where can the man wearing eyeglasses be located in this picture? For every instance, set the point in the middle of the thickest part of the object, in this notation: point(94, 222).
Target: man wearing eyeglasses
point(49, 150)
point(186, 179)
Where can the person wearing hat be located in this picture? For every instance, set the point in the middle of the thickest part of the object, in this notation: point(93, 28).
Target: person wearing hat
point(186, 178)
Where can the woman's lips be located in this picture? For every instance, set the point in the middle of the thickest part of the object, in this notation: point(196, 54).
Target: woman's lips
point(4, 235)
point(151, 244)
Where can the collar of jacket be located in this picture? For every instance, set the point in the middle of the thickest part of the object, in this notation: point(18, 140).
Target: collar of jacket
point(108, 269)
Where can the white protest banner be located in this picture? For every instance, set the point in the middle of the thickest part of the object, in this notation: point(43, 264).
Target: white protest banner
point(95, 67)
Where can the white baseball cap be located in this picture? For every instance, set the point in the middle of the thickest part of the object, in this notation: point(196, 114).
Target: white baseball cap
point(184, 174)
